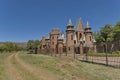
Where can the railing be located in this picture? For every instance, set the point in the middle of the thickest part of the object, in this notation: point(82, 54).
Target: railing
point(109, 61)
point(112, 61)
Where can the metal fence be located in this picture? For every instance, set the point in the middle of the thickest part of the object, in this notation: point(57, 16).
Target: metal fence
point(108, 61)
point(111, 47)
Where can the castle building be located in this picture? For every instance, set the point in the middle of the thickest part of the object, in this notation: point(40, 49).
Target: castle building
point(78, 39)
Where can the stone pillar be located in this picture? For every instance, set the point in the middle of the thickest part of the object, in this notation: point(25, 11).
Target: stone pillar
point(60, 46)
point(95, 50)
point(81, 48)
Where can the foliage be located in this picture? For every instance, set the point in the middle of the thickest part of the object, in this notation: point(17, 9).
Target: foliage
point(31, 44)
point(108, 34)
point(9, 46)
point(116, 31)
point(104, 35)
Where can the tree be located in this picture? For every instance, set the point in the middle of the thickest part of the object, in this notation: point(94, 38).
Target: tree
point(30, 44)
point(116, 32)
point(16, 48)
point(104, 36)
point(36, 43)
point(2, 48)
point(33, 45)
point(105, 33)
point(9, 46)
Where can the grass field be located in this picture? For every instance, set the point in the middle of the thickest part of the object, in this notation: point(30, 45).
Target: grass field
point(22, 66)
point(104, 54)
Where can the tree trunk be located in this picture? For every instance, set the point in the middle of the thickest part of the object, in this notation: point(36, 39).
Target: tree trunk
point(106, 54)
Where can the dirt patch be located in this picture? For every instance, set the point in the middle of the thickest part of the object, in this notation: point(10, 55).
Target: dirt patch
point(33, 70)
point(12, 72)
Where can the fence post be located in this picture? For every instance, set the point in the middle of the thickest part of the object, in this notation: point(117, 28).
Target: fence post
point(86, 56)
point(60, 51)
point(66, 51)
point(74, 53)
point(106, 54)
point(106, 59)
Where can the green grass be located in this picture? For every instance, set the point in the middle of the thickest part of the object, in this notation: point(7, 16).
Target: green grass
point(2, 66)
point(24, 73)
point(66, 68)
point(63, 68)
point(104, 54)
point(46, 64)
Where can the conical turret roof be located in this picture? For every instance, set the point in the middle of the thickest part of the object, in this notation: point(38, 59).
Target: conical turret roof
point(70, 22)
point(87, 25)
point(80, 25)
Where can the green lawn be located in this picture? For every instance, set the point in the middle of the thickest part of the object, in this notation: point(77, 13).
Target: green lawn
point(69, 69)
point(104, 54)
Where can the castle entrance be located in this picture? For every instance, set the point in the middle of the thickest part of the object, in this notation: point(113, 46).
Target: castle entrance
point(77, 50)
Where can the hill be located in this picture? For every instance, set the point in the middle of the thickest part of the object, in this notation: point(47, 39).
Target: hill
point(20, 44)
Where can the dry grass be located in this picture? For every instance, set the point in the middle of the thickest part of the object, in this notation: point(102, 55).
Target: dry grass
point(64, 68)
point(69, 69)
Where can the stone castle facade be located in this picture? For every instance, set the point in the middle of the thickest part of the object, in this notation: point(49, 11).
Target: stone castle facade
point(77, 40)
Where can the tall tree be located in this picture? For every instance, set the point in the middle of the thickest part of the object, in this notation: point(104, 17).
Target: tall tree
point(105, 36)
point(116, 32)
point(36, 43)
point(9, 46)
point(30, 44)
point(105, 33)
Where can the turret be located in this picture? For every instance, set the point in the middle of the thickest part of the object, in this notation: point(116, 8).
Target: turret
point(80, 30)
point(88, 34)
point(60, 44)
point(43, 43)
point(53, 39)
point(70, 37)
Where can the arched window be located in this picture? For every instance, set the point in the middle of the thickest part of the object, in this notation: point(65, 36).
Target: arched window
point(52, 43)
point(90, 38)
point(80, 36)
point(71, 37)
point(53, 37)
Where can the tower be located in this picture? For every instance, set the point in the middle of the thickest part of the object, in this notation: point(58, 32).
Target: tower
point(88, 35)
point(60, 44)
point(80, 31)
point(43, 43)
point(70, 37)
point(53, 39)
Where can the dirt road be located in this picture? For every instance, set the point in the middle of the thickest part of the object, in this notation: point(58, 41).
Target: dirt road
point(13, 73)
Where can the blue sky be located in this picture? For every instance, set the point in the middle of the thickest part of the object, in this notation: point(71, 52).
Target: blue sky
point(23, 20)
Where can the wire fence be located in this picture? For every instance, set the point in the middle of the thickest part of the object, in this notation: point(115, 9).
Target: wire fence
point(111, 47)
point(108, 61)
point(105, 60)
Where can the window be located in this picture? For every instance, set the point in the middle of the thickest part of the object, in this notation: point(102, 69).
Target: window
point(52, 43)
point(74, 41)
point(69, 48)
point(90, 38)
point(80, 36)
point(71, 37)
point(53, 37)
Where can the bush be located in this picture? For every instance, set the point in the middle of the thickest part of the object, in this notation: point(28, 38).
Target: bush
point(116, 52)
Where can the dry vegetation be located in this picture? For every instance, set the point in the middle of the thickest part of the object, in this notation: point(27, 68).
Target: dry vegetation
point(42, 67)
